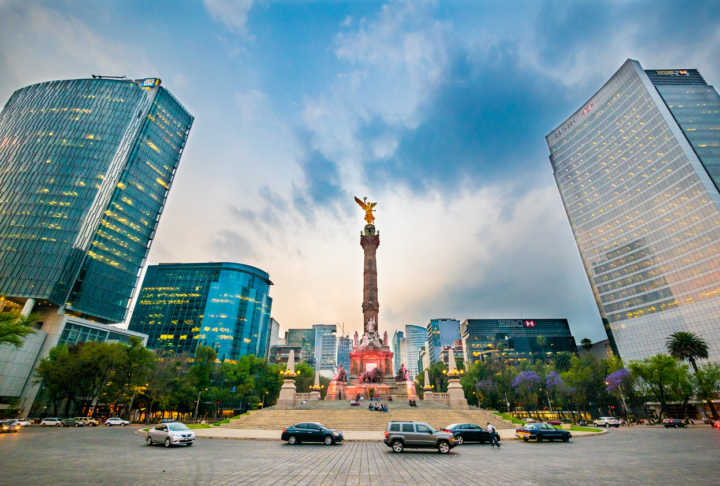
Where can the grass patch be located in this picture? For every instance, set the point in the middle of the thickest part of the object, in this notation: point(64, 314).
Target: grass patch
point(198, 426)
point(512, 419)
point(226, 421)
point(580, 428)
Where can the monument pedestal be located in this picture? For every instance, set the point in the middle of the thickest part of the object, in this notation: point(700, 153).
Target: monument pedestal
point(286, 400)
point(455, 395)
point(314, 395)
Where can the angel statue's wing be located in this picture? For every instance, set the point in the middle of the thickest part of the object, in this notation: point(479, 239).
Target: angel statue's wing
point(372, 205)
point(361, 203)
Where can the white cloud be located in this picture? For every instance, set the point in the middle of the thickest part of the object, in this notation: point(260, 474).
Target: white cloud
point(232, 13)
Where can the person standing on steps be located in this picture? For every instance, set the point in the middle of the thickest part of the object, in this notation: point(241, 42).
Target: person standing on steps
point(493, 435)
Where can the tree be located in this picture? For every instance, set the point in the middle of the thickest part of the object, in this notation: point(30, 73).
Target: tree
point(659, 376)
point(14, 327)
point(685, 345)
point(201, 372)
point(586, 344)
point(135, 369)
point(707, 384)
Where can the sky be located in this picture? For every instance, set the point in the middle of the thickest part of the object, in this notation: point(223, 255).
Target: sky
point(437, 110)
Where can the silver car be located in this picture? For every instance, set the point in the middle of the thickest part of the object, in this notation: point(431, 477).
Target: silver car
point(174, 433)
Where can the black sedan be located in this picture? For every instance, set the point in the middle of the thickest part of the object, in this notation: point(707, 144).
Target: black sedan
point(541, 431)
point(469, 433)
point(311, 432)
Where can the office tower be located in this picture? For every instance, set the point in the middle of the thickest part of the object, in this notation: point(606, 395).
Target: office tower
point(638, 168)
point(399, 350)
point(325, 348)
point(515, 339)
point(343, 354)
point(439, 333)
point(415, 337)
point(222, 305)
point(274, 333)
point(85, 168)
point(305, 338)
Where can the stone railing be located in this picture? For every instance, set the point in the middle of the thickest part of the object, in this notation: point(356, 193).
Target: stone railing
point(304, 396)
point(435, 396)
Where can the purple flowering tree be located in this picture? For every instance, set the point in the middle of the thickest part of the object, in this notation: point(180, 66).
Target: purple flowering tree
point(616, 383)
point(527, 384)
point(553, 383)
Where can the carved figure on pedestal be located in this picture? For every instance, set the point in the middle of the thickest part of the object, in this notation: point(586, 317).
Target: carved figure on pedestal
point(372, 376)
point(341, 374)
point(402, 374)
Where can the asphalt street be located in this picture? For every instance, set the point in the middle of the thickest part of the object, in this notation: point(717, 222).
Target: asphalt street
point(119, 456)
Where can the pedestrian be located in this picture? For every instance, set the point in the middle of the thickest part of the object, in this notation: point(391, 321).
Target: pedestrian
point(493, 435)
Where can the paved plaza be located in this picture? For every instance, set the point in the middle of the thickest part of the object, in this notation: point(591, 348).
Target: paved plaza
point(118, 456)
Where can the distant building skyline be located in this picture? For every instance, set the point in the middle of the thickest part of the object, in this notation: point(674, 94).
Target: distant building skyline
point(441, 332)
point(638, 170)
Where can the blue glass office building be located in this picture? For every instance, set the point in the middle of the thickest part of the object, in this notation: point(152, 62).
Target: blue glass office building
point(638, 169)
point(85, 168)
point(223, 305)
point(439, 333)
point(415, 337)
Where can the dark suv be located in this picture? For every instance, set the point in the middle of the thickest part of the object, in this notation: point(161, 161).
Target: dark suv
point(411, 435)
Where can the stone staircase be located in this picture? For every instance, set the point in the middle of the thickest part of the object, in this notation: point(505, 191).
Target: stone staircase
point(350, 419)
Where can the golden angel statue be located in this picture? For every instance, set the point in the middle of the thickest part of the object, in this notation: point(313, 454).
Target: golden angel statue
point(368, 208)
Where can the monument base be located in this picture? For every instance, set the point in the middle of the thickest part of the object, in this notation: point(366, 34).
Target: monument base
point(286, 400)
point(455, 395)
point(314, 395)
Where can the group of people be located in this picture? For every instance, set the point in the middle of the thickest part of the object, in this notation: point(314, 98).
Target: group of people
point(377, 406)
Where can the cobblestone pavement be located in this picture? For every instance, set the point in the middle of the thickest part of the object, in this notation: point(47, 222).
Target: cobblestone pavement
point(119, 456)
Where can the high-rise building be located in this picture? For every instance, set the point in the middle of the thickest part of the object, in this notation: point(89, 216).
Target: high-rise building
point(439, 333)
point(222, 305)
point(280, 353)
point(515, 339)
point(274, 333)
point(305, 338)
point(415, 337)
point(399, 350)
point(343, 354)
point(325, 348)
point(85, 168)
point(638, 168)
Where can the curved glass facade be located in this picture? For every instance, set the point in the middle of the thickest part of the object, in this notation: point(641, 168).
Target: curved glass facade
point(85, 166)
point(644, 211)
point(223, 305)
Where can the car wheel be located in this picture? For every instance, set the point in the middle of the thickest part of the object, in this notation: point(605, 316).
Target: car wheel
point(566, 439)
point(539, 439)
point(459, 439)
point(77, 425)
point(148, 441)
point(397, 446)
point(167, 442)
point(443, 447)
point(525, 439)
point(189, 444)
point(328, 440)
point(292, 440)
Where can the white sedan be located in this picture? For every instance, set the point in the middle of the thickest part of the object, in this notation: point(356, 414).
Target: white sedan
point(116, 421)
point(23, 422)
point(174, 433)
point(51, 421)
point(607, 422)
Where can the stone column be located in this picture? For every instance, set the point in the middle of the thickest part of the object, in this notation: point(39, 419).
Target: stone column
point(315, 393)
point(455, 393)
point(370, 240)
point(286, 400)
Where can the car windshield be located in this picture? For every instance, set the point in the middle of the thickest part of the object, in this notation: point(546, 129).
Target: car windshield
point(176, 427)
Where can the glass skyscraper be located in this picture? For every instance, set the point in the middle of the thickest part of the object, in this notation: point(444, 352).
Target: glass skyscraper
point(343, 354)
point(222, 305)
point(85, 167)
point(399, 350)
point(439, 333)
point(325, 348)
point(415, 337)
point(638, 168)
point(305, 338)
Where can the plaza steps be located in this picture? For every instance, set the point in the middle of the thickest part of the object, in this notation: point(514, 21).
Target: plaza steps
point(363, 419)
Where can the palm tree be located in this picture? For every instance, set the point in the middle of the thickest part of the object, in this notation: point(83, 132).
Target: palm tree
point(685, 345)
point(14, 327)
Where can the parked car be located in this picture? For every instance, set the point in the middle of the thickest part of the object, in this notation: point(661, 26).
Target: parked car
point(51, 421)
point(71, 422)
point(311, 432)
point(170, 434)
point(673, 422)
point(606, 422)
point(116, 421)
point(10, 425)
point(716, 424)
point(469, 433)
point(167, 421)
point(89, 421)
point(555, 422)
point(411, 435)
point(541, 431)
point(24, 422)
